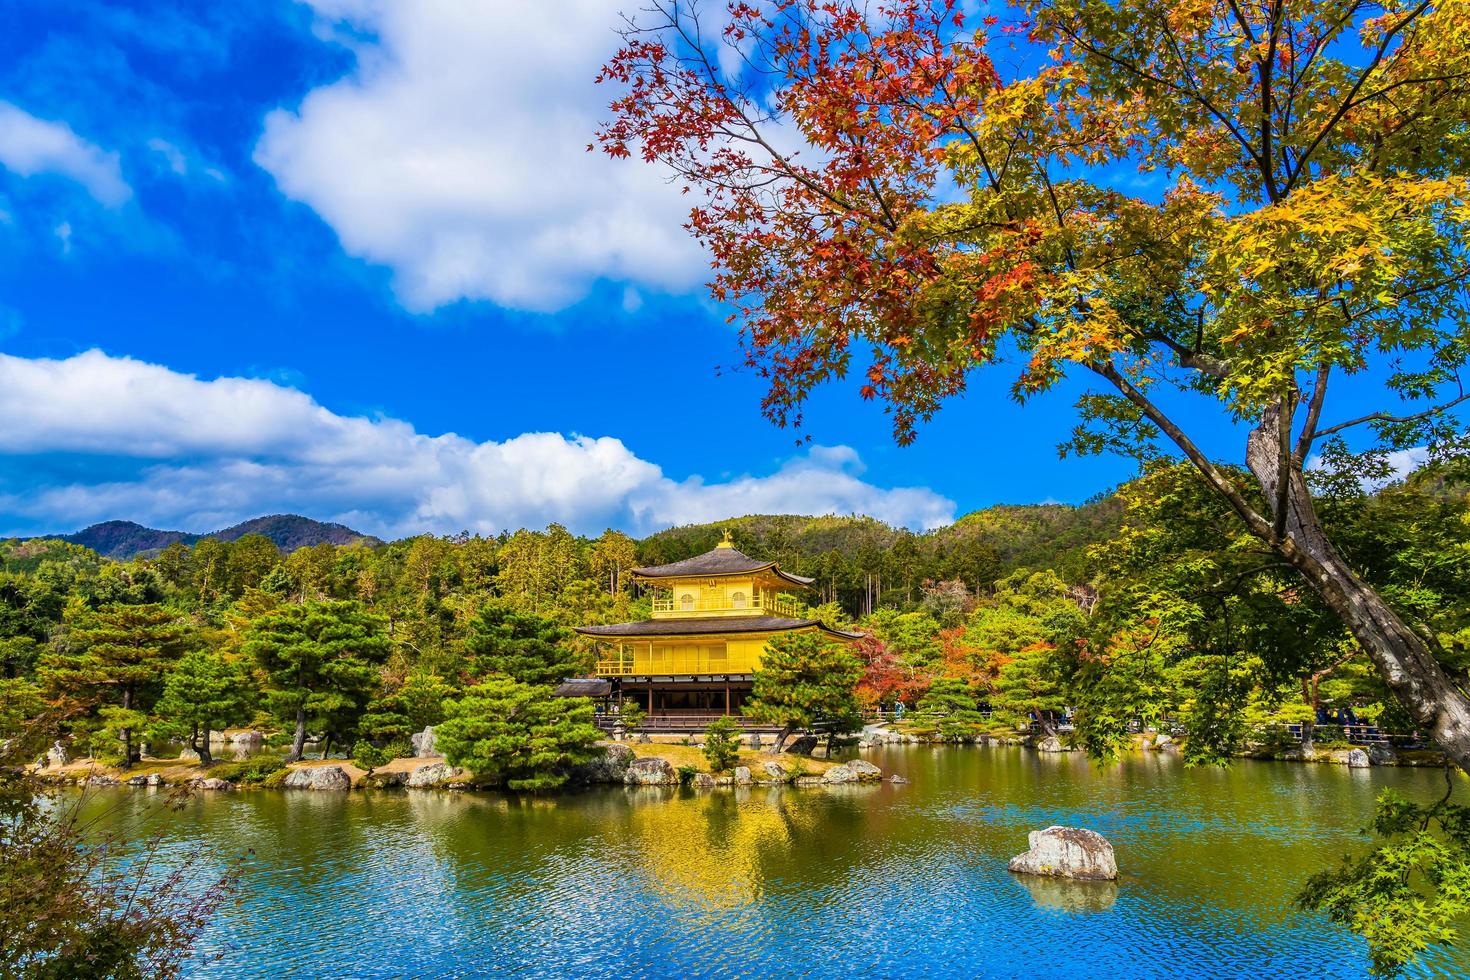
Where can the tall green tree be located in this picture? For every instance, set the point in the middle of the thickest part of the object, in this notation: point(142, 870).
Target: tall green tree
point(523, 647)
point(806, 681)
point(204, 692)
point(519, 733)
point(321, 663)
point(113, 665)
point(950, 707)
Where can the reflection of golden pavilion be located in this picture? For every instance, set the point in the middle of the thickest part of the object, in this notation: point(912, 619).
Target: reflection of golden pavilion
point(713, 615)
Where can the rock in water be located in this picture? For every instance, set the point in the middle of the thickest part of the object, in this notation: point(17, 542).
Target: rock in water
point(863, 769)
point(742, 775)
point(219, 785)
point(1358, 759)
point(651, 772)
point(431, 775)
point(423, 743)
point(839, 774)
point(896, 778)
point(154, 779)
point(1068, 852)
point(774, 770)
point(1050, 744)
point(318, 777)
point(702, 780)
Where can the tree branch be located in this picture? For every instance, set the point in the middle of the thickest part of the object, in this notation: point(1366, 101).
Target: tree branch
point(1385, 417)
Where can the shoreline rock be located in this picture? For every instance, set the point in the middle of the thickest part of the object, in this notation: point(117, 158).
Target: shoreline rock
point(318, 778)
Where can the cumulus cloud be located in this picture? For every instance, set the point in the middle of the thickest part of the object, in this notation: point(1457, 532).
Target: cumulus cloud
point(185, 452)
point(30, 146)
point(455, 154)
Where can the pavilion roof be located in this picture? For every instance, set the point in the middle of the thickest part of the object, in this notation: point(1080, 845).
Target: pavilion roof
point(723, 559)
point(710, 625)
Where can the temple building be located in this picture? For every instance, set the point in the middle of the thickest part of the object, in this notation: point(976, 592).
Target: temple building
point(713, 615)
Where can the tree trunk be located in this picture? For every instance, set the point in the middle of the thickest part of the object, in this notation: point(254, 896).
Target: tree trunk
point(326, 745)
point(1309, 727)
point(125, 732)
point(298, 743)
point(1403, 659)
point(202, 748)
point(1046, 718)
point(781, 739)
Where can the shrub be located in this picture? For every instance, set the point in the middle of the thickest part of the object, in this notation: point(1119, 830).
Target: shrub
point(399, 748)
point(722, 744)
point(249, 772)
point(366, 755)
point(687, 774)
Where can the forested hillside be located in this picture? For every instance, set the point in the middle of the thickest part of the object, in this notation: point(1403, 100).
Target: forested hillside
point(125, 539)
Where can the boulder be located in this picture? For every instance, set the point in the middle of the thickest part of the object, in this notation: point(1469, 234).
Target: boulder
point(187, 754)
point(99, 779)
point(1382, 755)
point(651, 772)
point(1162, 741)
point(1068, 852)
point(839, 774)
point(1050, 744)
point(753, 740)
point(702, 780)
point(774, 770)
point(864, 769)
point(432, 774)
point(897, 779)
point(807, 780)
point(318, 777)
point(138, 781)
point(154, 779)
point(1358, 759)
point(641, 738)
point(221, 785)
point(57, 756)
point(742, 775)
point(611, 766)
point(802, 745)
point(423, 743)
point(386, 780)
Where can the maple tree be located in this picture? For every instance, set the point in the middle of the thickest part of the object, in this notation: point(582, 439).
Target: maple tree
point(880, 198)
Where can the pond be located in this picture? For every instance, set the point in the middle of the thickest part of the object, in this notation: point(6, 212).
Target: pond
point(871, 881)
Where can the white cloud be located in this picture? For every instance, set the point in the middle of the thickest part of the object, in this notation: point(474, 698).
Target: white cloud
point(30, 146)
point(206, 453)
point(455, 154)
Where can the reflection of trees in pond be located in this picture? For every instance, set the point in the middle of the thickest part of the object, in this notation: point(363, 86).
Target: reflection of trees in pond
point(1067, 895)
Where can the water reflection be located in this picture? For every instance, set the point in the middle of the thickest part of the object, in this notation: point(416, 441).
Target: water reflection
point(1065, 895)
point(768, 882)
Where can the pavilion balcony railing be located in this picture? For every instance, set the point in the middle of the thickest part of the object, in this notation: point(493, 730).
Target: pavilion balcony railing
point(759, 605)
point(639, 662)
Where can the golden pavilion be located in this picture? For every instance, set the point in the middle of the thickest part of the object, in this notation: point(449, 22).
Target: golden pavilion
point(713, 615)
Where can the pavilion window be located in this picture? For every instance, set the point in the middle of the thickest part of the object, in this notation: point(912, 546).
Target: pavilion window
point(686, 602)
point(737, 600)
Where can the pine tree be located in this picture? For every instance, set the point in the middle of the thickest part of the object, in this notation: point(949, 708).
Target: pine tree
point(320, 660)
point(114, 664)
point(204, 693)
point(806, 681)
point(520, 733)
point(722, 744)
point(949, 705)
point(1030, 686)
point(521, 646)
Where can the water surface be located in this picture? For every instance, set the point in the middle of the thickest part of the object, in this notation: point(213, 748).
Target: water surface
point(869, 881)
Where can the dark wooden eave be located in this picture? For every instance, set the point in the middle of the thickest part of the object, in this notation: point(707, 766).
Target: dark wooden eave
point(718, 561)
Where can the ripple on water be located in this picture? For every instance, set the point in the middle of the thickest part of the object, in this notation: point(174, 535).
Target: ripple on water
point(884, 881)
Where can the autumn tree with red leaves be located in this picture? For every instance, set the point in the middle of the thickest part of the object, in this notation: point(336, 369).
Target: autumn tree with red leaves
point(879, 199)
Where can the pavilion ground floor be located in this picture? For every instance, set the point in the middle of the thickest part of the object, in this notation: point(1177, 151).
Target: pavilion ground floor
point(675, 703)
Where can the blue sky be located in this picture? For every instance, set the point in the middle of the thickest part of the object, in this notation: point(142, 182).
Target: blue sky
point(350, 259)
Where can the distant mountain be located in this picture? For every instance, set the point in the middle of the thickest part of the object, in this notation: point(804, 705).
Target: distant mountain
point(125, 539)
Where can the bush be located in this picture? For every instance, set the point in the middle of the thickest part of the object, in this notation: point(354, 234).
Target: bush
point(249, 772)
point(399, 748)
point(687, 774)
point(722, 744)
point(366, 755)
